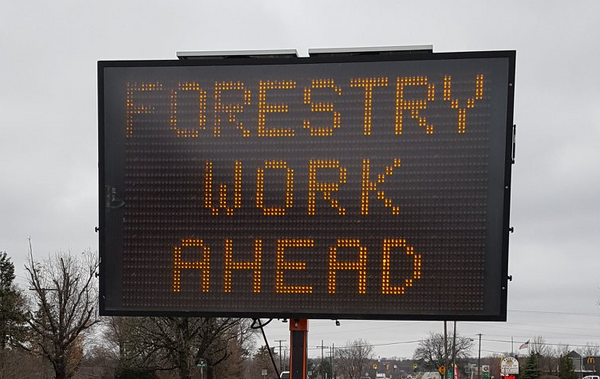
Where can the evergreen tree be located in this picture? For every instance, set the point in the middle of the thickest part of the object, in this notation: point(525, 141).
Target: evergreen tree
point(12, 306)
point(566, 368)
point(262, 361)
point(531, 370)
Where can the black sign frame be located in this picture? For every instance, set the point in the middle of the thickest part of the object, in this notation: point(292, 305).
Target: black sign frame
point(112, 235)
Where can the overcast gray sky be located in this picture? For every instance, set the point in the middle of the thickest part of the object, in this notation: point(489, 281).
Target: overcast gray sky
point(48, 130)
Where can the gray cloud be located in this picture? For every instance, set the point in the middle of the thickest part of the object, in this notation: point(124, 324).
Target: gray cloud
point(48, 126)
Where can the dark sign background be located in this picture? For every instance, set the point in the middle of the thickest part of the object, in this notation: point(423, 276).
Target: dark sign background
point(292, 159)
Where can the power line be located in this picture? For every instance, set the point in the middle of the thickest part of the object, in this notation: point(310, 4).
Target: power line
point(529, 330)
point(543, 343)
point(360, 346)
point(555, 312)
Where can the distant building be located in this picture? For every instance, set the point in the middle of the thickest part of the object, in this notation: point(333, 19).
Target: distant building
point(584, 365)
point(592, 365)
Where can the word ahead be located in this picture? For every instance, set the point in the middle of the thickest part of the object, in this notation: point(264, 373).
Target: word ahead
point(333, 266)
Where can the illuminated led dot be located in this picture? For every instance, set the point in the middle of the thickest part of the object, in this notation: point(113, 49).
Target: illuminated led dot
point(223, 198)
point(368, 84)
point(131, 108)
point(264, 108)
point(369, 186)
point(231, 110)
point(360, 265)
point(413, 105)
point(386, 287)
point(470, 103)
point(203, 265)
point(282, 265)
point(325, 188)
point(173, 120)
point(289, 188)
point(230, 265)
point(321, 107)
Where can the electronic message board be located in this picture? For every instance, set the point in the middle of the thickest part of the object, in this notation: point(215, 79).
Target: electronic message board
point(369, 186)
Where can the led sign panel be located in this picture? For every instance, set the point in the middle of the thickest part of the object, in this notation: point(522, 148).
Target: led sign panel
point(336, 186)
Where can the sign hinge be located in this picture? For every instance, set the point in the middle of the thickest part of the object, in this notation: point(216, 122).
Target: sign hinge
point(514, 142)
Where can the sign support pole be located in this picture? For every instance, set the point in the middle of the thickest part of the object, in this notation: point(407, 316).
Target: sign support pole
point(298, 348)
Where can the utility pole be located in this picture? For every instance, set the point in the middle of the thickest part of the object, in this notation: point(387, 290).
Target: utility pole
point(454, 352)
point(322, 368)
point(479, 359)
point(280, 367)
point(445, 349)
point(332, 361)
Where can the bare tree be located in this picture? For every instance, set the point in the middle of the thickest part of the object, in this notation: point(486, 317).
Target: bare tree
point(65, 297)
point(539, 346)
point(561, 350)
point(353, 358)
point(590, 350)
point(127, 347)
point(180, 344)
point(430, 351)
point(547, 357)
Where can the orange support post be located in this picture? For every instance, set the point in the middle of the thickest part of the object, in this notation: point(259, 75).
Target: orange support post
point(298, 348)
